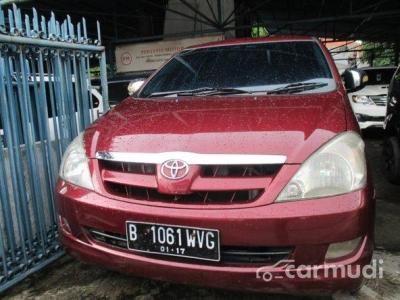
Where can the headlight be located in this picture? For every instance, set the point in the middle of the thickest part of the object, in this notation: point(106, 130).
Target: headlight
point(362, 100)
point(338, 167)
point(74, 165)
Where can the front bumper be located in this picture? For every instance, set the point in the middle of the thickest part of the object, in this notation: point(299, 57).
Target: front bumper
point(369, 115)
point(309, 226)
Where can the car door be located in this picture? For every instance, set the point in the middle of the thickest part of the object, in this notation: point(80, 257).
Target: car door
point(392, 121)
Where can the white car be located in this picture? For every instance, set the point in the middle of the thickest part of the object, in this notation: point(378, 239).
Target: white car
point(94, 113)
point(369, 103)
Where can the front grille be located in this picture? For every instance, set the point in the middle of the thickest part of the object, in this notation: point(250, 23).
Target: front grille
point(380, 100)
point(366, 118)
point(212, 197)
point(229, 254)
point(133, 168)
point(239, 171)
point(206, 184)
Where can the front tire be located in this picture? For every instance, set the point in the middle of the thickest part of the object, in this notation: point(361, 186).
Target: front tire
point(391, 156)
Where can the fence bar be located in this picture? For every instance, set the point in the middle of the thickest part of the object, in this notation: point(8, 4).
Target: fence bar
point(46, 43)
point(46, 100)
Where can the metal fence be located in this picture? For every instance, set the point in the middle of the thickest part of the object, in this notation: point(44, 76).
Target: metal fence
point(46, 99)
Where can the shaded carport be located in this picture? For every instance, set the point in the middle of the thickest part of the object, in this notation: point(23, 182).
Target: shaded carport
point(144, 20)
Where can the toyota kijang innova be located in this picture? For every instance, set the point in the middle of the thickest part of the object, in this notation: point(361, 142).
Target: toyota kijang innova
point(234, 162)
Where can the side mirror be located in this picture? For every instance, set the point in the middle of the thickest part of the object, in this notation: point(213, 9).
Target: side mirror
point(354, 80)
point(135, 85)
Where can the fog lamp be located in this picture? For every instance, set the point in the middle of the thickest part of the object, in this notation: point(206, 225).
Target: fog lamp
point(341, 249)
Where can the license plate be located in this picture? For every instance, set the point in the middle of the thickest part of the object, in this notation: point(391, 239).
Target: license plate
point(191, 242)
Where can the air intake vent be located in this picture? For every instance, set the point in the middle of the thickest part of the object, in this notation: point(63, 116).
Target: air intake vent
point(133, 168)
point(240, 171)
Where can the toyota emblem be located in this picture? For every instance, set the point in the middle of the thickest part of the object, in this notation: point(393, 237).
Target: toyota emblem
point(174, 169)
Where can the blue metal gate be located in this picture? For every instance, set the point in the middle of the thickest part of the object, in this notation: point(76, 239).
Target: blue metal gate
point(46, 99)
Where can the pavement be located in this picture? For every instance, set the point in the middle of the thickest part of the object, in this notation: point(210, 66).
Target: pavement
point(70, 279)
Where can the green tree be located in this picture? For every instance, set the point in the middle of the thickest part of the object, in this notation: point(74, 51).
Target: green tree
point(380, 54)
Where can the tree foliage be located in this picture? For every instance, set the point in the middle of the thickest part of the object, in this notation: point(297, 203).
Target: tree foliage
point(379, 54)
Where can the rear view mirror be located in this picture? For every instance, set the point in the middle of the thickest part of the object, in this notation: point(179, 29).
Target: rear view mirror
point(135, 85)
point(354, 80)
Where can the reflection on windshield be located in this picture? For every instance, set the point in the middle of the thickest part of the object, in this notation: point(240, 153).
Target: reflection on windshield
point(251, 68)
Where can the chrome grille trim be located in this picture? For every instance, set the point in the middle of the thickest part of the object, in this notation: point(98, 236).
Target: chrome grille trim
point(192, 158)
point(380, 100)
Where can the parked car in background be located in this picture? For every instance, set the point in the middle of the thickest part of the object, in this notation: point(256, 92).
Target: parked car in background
point(236, 160)
point(53, 109)
point(391, 145)
point(369, 102)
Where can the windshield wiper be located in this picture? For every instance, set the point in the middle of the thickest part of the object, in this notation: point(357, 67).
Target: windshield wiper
point(203, 91)
point(162, 94)
point(297, 87)
point(210, 91)
point(213, 91)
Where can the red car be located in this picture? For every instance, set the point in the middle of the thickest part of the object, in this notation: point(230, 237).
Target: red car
point(236, 165)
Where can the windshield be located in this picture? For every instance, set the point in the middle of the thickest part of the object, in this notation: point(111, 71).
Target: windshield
point(257, 67)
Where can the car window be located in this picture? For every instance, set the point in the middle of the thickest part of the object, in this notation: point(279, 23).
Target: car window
point(254, 67)
point(379, 76)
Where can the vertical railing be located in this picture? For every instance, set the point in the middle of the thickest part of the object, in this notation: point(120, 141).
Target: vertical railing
point(45, 101)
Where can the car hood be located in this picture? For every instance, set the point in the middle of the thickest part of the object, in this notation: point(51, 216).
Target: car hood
point(292, 125)
point(373, 90)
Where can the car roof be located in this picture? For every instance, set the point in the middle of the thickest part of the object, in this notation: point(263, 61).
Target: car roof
point(246, 41)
